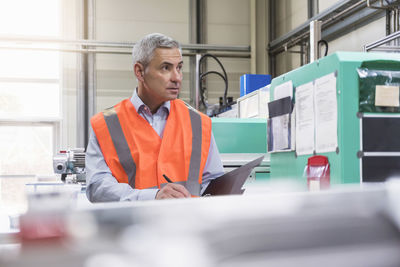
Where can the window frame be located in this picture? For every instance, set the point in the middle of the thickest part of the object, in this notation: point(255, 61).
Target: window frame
point(55, 125)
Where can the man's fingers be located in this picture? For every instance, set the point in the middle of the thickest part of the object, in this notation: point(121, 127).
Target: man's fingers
point(177, 194)
point(181, 189)
point(173, 191)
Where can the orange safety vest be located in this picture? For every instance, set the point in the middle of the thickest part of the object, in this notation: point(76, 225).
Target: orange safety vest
point(137, 155)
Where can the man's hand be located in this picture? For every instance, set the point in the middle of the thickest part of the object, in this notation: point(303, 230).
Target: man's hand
point(173, 191)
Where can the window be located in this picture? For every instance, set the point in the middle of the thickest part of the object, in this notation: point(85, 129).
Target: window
point(30, 17)
point(30, 91)
point(30, 108)
point(26, 149)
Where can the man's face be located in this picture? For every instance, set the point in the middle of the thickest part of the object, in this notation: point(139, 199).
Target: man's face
point(163, 76)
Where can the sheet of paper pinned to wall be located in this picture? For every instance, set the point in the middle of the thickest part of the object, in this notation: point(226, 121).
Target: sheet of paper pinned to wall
point(293, 129)
point(283, 90)
point(325, 105)
point(279, 124)
point(280, 133)
point(305, 119)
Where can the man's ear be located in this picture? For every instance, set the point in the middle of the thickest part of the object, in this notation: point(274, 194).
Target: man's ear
point(139, 71)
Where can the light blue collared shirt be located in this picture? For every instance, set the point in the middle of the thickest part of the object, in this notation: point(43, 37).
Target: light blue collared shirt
point(102, 185)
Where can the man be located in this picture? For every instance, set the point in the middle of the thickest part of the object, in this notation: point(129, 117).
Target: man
point(134, 145)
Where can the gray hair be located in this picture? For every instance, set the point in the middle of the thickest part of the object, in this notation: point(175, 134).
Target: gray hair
point(143, 50)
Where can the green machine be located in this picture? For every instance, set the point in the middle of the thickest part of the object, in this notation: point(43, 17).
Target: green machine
point(368, 146)
point(241, 140)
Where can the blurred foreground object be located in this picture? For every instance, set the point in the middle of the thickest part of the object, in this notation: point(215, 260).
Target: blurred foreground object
point(348, 225)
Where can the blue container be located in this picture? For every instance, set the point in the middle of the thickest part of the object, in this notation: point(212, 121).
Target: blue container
point(251, 82)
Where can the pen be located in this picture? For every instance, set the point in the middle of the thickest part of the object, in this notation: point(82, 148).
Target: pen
point(166, 178)
point(170, 181)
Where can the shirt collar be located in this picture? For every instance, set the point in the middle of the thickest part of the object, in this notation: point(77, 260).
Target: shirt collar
point(139, 105)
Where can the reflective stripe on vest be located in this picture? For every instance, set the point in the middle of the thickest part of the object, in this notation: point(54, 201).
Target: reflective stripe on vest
point(120, 144)
point(125, 157)
point(192, 183)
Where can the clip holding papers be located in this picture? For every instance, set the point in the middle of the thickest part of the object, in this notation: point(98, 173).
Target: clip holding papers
point(231, 183)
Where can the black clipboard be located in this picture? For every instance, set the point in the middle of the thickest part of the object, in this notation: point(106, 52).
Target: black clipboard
point(231, 183)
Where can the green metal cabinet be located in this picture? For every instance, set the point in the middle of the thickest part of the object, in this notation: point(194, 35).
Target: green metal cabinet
point(345, 163)
point(240, 140)
point(236, 135)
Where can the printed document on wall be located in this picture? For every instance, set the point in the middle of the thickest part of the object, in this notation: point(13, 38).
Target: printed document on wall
point(279, 124)
point(305, 119)
point(325, 113)
point(281, 133)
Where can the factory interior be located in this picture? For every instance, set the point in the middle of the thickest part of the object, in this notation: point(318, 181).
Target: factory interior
point(280, 147)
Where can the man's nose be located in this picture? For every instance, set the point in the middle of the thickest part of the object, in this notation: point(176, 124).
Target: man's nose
point(176, 76)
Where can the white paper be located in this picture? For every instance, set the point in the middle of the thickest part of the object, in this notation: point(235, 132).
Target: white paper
point(280, 132)
point(325, 104)
point(283, 90)
point(293, 129)
point(305, 119)
point(386, 96)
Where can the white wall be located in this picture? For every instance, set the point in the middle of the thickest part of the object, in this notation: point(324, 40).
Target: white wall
point(355, 40)
point(287, 61)
point(289, 15)
point(130, 20)
point(228, 24)
point(324, 4)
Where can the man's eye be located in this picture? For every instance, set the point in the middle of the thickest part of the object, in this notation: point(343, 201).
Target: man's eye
point(180, 68)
